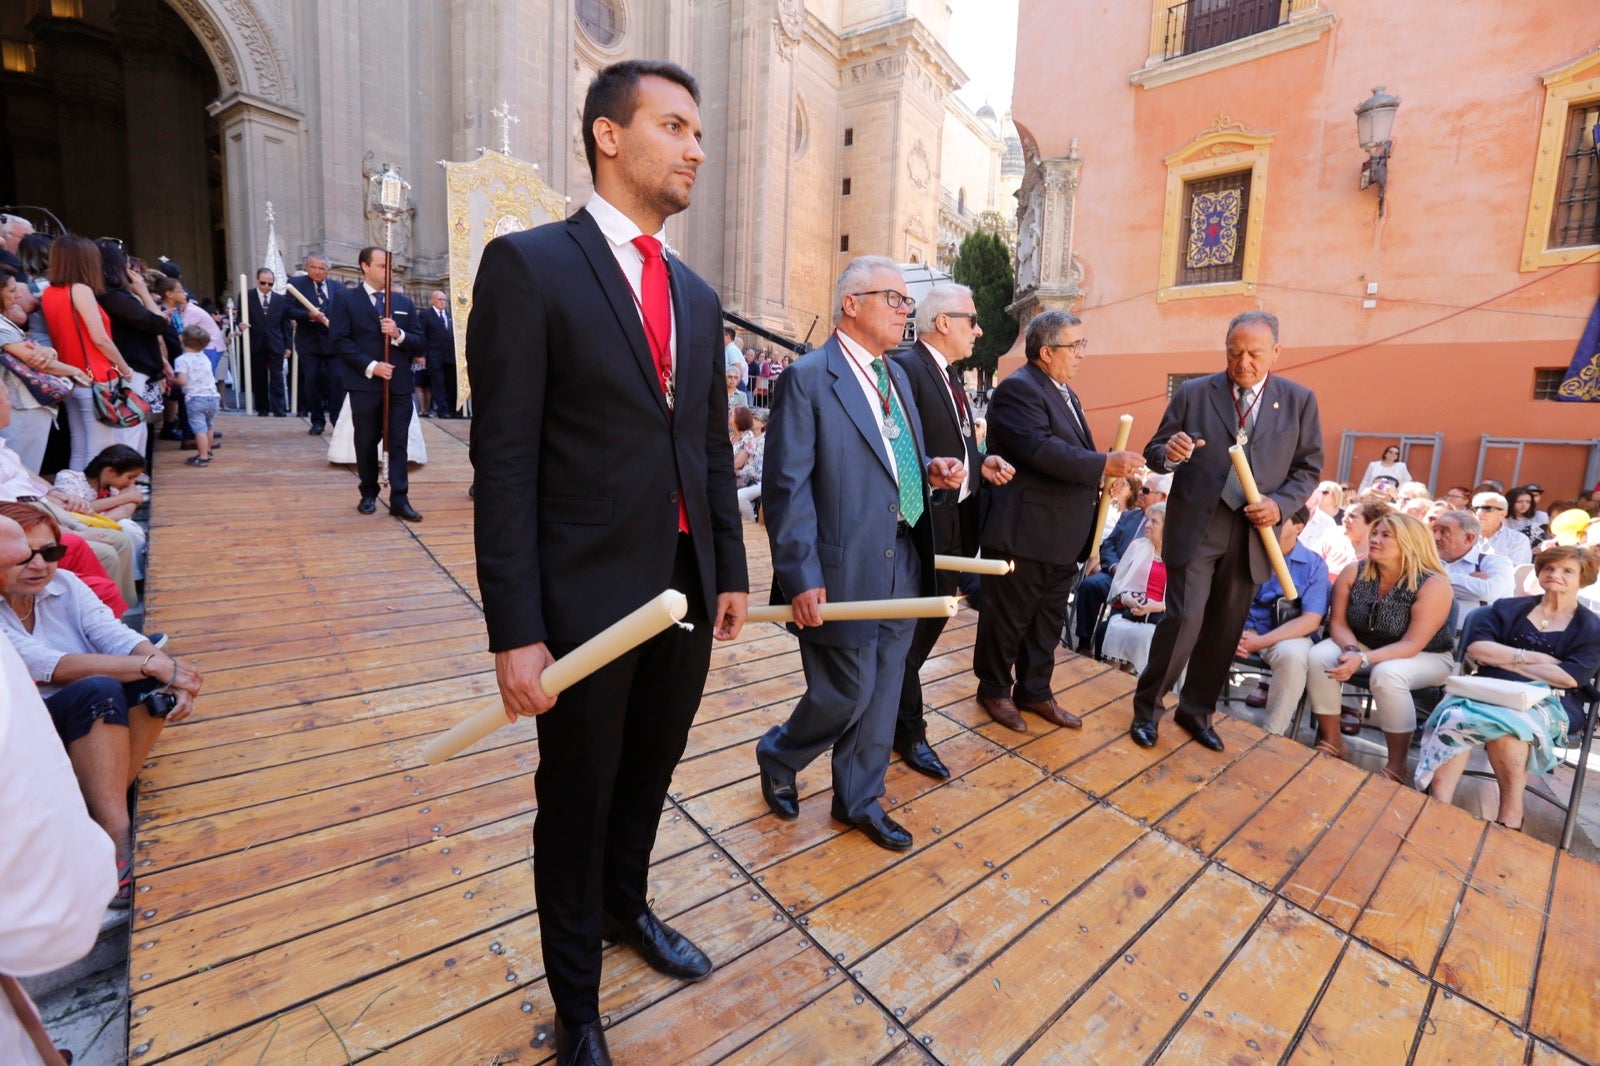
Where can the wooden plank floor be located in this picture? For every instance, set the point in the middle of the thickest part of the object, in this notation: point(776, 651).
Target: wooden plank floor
point(308, 893)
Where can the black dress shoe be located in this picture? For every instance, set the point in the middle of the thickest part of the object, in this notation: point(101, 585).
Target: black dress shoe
point(882, 831)
point(783, 799)
point(1203, 735)
point(314, 431)
point(368, 504)
point(404, 510)
point(583, 1046)
point(923, 759)
point(663, 947)
point(1143, 733)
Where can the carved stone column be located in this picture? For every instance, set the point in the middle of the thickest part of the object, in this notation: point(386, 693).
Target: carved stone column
point(261, 160)
point(1049, 276)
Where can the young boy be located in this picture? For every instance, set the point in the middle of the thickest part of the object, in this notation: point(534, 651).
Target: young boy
point(201, 399)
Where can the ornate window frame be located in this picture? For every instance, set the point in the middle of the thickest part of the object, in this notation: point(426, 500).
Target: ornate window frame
point(1222, 149)
point(1577, 82)
point(604, 53)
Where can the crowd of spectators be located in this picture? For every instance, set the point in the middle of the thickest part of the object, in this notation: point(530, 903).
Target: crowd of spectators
point(756, 369)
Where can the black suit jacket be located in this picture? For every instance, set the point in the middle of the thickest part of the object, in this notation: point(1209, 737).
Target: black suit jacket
point(578, 463)
point(955, 523)
point(438, 340)
point(1046, 512)
point(312, 337)
point(267, 333)
point(1120, 537)
point(1285, 453)
point(358, 340)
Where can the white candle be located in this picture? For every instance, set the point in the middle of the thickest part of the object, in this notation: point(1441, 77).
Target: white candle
point(1124, 427)
point(865, 610)
point(621, 636)
point(244, 343)
point(1269, 535)
point(962, 564)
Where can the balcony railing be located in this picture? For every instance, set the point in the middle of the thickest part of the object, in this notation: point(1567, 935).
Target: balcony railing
point(1195, 25)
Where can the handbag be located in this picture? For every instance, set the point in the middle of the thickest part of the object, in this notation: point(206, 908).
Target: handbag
point(115, 404)
point(48, 389)
point(1517, 695)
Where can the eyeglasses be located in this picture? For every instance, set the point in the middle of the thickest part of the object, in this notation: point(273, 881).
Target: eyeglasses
point(1147, 492)
point(970, 316)
point(893, 297)
point(1488, 508)
point(1075, 347)
point(264, 284)
point(50, 553)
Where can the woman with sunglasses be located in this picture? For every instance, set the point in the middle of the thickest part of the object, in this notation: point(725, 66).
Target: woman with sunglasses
point(108, 688)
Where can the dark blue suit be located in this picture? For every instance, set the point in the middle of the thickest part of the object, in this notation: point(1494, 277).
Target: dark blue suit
point(439, 345)
point(358, 340)
point(268, 333)
point(321, 391)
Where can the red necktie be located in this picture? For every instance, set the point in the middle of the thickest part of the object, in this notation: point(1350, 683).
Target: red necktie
point(655, 301)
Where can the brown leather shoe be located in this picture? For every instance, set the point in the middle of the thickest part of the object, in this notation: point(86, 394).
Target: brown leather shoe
point(1052, 712)
point(1002, 710)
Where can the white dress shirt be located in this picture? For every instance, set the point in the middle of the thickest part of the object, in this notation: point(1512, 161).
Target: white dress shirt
point(619, 231)
point(867, 378)
point(1474, 592)
point(1511, 544)
point(950, 402)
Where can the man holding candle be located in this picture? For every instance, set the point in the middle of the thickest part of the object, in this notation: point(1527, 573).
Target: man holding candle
point(321, 394)
point(947, 330)
point(1214, 556)
point(844, 487)
point(586, 510)
point(1044, 520)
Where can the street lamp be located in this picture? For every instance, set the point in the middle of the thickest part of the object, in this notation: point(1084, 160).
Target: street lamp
point(1374, 124)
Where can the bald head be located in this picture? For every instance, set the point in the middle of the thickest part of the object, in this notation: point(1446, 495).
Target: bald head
point(13, 543)
point(437, 299)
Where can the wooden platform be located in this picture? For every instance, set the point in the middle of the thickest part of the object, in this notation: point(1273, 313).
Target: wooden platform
point(307, 893)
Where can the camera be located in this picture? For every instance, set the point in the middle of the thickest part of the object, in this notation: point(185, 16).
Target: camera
point(160, 704)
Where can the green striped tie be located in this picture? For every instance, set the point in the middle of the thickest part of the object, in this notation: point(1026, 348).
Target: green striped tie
point(905, 451)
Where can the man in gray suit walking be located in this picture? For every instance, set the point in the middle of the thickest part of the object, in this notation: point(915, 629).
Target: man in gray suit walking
point(1213, 554)
point(846, 481)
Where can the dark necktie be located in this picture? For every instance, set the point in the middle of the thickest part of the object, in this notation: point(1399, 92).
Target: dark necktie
point(322, 295)
point(958, 395)
point(377, 303)
point(263, 303)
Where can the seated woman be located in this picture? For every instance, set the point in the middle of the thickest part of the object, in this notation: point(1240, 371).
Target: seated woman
point(1524, 516)
point(1137, 596)
point(1358, 520)
point(1550, 639)
point(108, 689)
point(104, 491)
point(1390, 615)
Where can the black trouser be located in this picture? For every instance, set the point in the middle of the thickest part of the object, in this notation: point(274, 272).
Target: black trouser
point(909, 726)
point(1092, 593)
point(267, 383)
point(368, 408)
point(1023, 615)
point(321, 387)
point(442, 375)
point(1207, 600)
point(607, 751)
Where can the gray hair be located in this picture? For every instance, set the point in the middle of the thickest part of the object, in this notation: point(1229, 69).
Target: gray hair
point(1254, 318)
point(858, 270)
point(1045, 328)
point(939, 300)
point(317, 257)
point(1465, 521)
point(1155, 510)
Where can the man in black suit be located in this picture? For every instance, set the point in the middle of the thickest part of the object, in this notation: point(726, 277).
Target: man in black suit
point(1043, 520)
point(267, 310)
point(321, 388)
point(587, 509)
point(439, 345)
point(947, 329)
point(1213, 554)
point(378, 382)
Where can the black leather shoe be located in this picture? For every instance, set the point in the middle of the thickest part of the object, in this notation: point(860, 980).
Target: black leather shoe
point(404, 510)
point(1203, 735)
point(368, 504)
point(583, 1046)
point(314, 431)
point(923, 759)
point(1143, 733)
point(663, 947)
point(882, 831)
point(783, 799)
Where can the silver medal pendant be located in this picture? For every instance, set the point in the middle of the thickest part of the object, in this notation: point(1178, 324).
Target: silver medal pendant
point(891, 431)
point(670, 391)
point(1241, 440)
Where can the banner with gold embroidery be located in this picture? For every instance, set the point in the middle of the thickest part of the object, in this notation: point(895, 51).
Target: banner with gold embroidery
point(1582, 381)
point(1213, 228)
point(490, 196)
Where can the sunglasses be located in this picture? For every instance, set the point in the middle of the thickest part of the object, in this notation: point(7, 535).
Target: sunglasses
point(1488, 508)
point(968, 315)
point(50, 553)
point(1147, 492)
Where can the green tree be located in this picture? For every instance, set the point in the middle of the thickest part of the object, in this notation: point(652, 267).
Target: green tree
point(984, 265)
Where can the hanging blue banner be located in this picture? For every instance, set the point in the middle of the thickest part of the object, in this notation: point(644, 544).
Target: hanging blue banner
point(1582, 381)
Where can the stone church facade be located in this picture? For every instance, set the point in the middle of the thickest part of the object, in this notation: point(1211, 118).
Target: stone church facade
point(172, 123)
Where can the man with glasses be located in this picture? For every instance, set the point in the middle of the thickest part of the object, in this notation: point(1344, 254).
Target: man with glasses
point(1490, 507)
point(321, 384)
point(1042, 520)
point(845, 486)
point(1215, 558)
point(267, 346)
point(1096, 584)
point(947, 330)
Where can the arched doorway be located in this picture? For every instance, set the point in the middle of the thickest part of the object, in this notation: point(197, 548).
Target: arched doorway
point(167, 123)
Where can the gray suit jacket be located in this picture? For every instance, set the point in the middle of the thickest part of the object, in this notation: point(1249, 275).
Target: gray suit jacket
point(829, 492)
point(1285, 453)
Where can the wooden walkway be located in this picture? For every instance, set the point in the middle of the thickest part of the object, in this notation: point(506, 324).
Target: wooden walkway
point(307, 893)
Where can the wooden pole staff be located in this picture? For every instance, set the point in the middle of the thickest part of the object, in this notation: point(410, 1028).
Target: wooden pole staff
point(388, 312)
point(865, 610)
point(621, 636)
point(1269, 534)
point(963, 564)
point(1124, 427)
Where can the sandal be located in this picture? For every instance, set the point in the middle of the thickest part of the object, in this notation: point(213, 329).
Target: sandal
point(124, 897)
point(1328, 749)
point(1503, 825)
point(1392, 776)
point(1349, 723)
